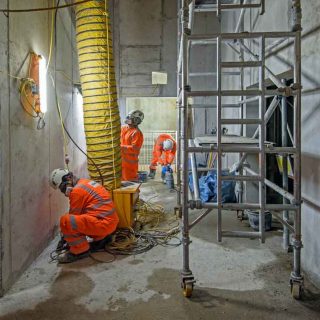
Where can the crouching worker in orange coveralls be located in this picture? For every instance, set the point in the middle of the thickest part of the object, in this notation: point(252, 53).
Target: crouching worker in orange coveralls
point(131, 143)
point(164, 151)
point(92, 213)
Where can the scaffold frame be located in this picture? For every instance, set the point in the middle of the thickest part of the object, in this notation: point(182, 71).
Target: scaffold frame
point(187, 148)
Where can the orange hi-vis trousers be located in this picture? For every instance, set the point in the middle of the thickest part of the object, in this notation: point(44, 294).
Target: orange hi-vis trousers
point(92, 213)
point(131, 143)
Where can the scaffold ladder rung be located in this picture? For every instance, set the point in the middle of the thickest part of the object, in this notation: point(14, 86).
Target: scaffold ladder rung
point(241, 178)
point(241, 234)
point(241, 64)
point(241, 121)
point(224, 93)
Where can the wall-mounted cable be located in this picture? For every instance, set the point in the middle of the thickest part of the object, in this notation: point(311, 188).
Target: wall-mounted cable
point(43, 9)
point(65, 131)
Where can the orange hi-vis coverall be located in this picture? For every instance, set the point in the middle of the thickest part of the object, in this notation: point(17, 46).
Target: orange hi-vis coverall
point(163, 157)
point(131, 143)
point(92, 213)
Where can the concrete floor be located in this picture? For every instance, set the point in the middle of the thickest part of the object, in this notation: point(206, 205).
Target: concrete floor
point(237, 279)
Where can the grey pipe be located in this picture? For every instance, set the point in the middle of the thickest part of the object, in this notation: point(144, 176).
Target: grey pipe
point(241, 16)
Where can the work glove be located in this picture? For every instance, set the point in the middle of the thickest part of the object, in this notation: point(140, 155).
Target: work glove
point(62, 245)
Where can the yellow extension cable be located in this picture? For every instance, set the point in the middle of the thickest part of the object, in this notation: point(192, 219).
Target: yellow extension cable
point(152, 221)
point(61, 125)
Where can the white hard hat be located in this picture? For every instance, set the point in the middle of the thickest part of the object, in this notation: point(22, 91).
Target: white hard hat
point(135, 117)
point(56, 177)
point(168, 144)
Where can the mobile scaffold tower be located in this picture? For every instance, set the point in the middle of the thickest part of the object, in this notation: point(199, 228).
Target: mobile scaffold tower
point(219, 144)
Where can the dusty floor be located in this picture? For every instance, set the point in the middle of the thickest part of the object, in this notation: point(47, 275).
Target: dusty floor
point(237, 279)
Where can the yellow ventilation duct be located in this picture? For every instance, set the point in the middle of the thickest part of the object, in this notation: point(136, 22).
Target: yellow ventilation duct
point(101, 113)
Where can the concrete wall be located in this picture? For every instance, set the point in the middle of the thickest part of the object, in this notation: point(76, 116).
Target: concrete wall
point(203, 58)
point(277, 18)
point(145, 33)
point(30, 210)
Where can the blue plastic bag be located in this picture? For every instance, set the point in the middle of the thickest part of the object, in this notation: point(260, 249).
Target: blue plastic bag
point(208, 187)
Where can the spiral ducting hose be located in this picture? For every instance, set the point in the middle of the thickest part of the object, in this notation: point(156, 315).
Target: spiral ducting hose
point(101, 113)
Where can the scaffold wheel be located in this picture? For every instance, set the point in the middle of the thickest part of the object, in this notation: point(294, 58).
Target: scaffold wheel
point(296, 290)
point(187, 289)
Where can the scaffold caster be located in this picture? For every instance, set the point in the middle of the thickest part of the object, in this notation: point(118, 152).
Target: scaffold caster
point(187, 283)
point(240, 215)
point(187, 289)
point(178, 212)
point(296, 289)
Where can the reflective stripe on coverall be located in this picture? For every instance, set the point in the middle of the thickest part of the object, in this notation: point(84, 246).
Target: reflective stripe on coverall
point(131, 143)
point(91, 213)
point(163, 157)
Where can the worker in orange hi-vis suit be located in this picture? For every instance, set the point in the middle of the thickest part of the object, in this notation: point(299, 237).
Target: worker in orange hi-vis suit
point(92, 213)
point(164, 151)
point(131, 143)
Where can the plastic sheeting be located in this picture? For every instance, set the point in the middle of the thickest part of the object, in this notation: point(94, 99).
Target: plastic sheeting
point(208, 187)
point(101, 113)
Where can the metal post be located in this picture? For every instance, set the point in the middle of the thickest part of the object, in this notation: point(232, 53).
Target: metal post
point(219, 151)
point(242, 107)
point(219, 9)
point(284, 143)
point(179, 47)
point(296, 279)
point(297, 244)
point(191, 14)
point(195, 179)
point(273, 105)
point(184, 138)
point(241, 16)
point(262, 156)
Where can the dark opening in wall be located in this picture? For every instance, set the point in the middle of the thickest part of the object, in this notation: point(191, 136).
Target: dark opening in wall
point(274, 134)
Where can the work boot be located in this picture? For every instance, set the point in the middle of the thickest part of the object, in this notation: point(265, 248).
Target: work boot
point(100, 244)
point(69, 257)
point(152, 173)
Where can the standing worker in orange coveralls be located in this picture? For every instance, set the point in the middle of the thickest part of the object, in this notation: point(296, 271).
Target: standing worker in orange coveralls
point(163, 153)
point(92, 213)
point(131, 143)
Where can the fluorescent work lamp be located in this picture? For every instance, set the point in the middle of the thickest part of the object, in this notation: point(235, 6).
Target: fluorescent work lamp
point(43, 84)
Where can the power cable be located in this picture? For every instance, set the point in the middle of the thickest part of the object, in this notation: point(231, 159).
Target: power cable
point(53, 19)
point(127, 241)
point(43, 9)
point(67, 132)
point(63, 127)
